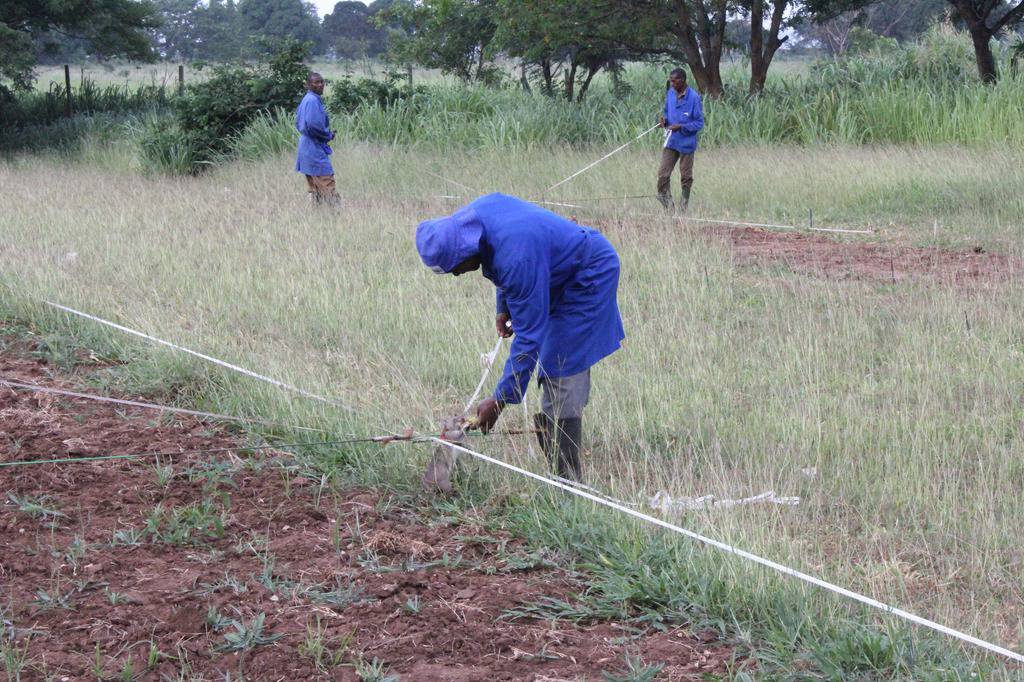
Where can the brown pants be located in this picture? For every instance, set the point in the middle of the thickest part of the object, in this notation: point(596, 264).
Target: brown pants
point(321, 189)
point(668, 162)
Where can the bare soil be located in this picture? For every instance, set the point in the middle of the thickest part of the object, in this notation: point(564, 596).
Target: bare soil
point(128, 569)
point(857, 260)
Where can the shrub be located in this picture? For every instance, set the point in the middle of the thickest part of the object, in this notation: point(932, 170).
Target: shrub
point(346, 95)
point(214, 112)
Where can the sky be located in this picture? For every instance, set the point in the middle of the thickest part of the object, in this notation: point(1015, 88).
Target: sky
point(327, 6)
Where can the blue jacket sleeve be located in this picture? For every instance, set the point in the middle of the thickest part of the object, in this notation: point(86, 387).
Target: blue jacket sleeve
point(500, 304)
point(313, 123)
point(528, 300)
point(696, 122)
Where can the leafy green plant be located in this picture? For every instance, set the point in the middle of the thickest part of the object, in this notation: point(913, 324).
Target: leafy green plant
point(635, 671)
point(213, 112)
point(247, 635)
point(343, 594)
point(36, 507)
point(326, 653)
point(374, 671)
point(345, 95)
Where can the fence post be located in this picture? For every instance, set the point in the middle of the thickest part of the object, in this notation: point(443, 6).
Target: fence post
point(67, 90)
point(181, 79)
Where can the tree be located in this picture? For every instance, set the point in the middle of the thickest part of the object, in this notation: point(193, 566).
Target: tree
point(175, 38)
point(454, 36)
point(219, 31)
point(764, 43)
point(985, 20)
point(699, 27)
point(349, 31)
point(277, 20)
point(554, 38)
point(193, 29)
point(691, 30)
point(110, 28)
point(904, 21)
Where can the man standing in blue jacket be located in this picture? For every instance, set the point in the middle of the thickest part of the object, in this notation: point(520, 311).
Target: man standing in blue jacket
point(314, 153)
point(557, 285)
point(683, 117)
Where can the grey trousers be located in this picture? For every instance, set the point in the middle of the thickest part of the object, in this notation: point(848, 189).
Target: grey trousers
point(565, 397)
point(669, 157)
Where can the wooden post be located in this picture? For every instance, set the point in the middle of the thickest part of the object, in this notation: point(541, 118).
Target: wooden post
point(67, 90)
point(181, 79)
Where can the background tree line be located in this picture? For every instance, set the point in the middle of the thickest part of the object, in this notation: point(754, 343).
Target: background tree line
point(558, 45)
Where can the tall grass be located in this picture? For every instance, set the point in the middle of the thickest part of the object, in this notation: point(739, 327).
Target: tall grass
point(923, 94)
point(36, 121)
point(36, 108)
point(892, 411)
point(867, 101)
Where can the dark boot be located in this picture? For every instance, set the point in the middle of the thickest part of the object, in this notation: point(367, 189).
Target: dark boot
point(570, 435)
point(684, 201)
point(666, 202)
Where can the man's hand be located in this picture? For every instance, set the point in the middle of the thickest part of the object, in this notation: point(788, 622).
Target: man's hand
point(675, 127)
point(487, 413)
point(663, 121)
point(503, 323)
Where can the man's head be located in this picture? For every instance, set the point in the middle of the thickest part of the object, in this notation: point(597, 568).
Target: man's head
point(677, 79)
point(469, 265)
point(451, 245)
point(315, 83)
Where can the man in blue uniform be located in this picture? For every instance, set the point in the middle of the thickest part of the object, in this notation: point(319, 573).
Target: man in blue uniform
point(314, 153)
point(683, 117)
point(557, 284)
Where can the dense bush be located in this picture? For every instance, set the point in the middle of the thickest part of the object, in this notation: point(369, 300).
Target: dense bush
point(213, 112)
point(346, 95)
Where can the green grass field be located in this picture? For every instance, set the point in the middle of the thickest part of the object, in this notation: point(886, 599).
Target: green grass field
point(892, 411)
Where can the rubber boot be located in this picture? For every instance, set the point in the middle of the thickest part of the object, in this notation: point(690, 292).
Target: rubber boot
point(684, 201)
point(570, 434)
point(666, 202)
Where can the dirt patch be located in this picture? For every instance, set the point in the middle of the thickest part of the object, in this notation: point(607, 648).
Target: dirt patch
point(866, 261)
point(196, 566)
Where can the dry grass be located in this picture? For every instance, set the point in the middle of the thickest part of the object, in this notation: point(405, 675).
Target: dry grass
point(894, 413)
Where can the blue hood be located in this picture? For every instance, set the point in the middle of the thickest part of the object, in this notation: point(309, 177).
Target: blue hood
point(443, 243)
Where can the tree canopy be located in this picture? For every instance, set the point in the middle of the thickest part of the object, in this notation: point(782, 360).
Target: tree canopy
point(107, 28)
point(350, 31)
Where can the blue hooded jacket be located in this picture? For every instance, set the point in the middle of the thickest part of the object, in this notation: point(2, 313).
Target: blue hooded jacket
point(557, 280)
point(311, 122)
point(688, 112)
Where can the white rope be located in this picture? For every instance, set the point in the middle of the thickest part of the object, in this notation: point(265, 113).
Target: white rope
point(149, 406)
point(665, 503)
point(488, 361)
point(201, 356)
point(603, 158)
point(716, 221)
point(775, 227)
point(454, 182)
point(785, 570)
